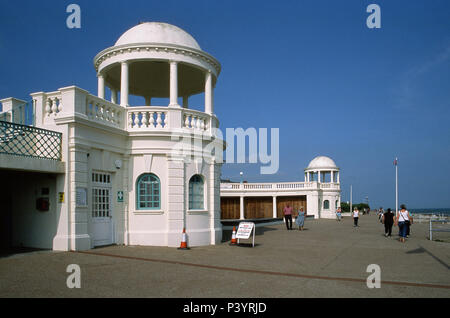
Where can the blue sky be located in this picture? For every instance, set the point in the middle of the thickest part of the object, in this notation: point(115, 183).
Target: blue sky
point(310, 68)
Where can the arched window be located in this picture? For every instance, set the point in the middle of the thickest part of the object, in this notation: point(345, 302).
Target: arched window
point(196, 194)
point(326, 205)
point(148, 192)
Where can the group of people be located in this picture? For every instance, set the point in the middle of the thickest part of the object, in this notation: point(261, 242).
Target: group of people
point(403, 219)
point(300, 221)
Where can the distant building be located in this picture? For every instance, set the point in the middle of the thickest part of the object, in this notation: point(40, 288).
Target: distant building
point(318, 194)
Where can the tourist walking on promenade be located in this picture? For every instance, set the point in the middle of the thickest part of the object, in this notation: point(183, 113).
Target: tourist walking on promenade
point(300, 221)
point(380, 213)
point(288, 216)
point(403, 216)
point(338, 214)
point(355, 216)
point(388, 221)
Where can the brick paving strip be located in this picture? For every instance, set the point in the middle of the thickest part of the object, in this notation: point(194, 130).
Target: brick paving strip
point(262, 272)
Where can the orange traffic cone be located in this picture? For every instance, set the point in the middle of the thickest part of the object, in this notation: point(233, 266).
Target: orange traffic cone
point(233, 237)
point(183, 245)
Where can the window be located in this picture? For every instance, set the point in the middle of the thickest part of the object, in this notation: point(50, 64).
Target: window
point(101, 195)
point(100, 202)
point(326, 205)
point(196, 196)
point(148, 192)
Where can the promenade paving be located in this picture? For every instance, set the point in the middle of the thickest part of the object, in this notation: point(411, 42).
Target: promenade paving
point(327, 259)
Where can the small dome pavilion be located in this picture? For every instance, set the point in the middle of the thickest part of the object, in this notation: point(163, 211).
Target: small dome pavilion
point(322, 169)
point(157, 60)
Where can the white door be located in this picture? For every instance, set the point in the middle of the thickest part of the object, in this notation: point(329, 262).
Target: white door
point(102, 225)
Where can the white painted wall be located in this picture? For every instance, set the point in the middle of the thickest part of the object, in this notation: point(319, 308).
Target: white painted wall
point(30, 227)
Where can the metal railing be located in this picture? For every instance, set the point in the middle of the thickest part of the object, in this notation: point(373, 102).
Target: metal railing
point(442, 221)
point(28, 141)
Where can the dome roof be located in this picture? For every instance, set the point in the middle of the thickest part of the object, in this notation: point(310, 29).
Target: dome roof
point(157, 32)
point(322, 162)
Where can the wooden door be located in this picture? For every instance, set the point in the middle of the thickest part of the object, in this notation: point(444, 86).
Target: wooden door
point(229, 207)
point(296, 202)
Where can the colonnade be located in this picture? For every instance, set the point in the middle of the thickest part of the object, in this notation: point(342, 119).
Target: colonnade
point(173, 88)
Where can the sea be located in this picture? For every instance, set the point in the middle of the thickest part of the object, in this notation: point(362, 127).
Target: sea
point(445, 212)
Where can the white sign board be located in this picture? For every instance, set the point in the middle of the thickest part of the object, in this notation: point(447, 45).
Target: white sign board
point(245, 230)
point(81, 197)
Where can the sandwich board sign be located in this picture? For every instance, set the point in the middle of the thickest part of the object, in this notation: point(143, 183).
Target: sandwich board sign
point(245, 230)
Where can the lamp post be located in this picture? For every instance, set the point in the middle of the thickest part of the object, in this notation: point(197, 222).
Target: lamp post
point(351, 202)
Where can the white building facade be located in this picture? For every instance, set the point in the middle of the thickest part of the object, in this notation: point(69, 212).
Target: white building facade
point(114, 177)
point(92, 170)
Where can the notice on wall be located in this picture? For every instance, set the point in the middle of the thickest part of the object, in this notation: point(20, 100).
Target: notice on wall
point(61, 197)
point(245, 230)
point(119, 196)
point(81, 197)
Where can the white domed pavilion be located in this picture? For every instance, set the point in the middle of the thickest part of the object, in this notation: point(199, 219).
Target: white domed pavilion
point(322, 168)
point(122, 172)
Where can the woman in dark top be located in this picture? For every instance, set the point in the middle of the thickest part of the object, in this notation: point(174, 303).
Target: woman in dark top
point(388, 221)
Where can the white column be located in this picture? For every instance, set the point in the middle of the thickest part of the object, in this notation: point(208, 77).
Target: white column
point(274, 207)
point(101, 86)
point(318, 176)
point(208, 93)
point(337, 173)
point(331, 176)
point(113, 95)
point(241, 208)
point(308, 177)
point(173, 84)
point(124, 86)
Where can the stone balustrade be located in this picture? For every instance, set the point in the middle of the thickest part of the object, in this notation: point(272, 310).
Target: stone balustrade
point(277, 186)
point(53, 104)
point(102, 111)
point(195, 120)
point(72, 102)
point(147, 118)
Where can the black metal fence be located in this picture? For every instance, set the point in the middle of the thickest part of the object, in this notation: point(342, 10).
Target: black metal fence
point(28, 141)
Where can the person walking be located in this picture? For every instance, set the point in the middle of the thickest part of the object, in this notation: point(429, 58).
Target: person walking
point(380, 213)
point(355, 216)
point(300, 221)
point(338, 214)
point(288, 216)
point(403, 216)
point(388, 221)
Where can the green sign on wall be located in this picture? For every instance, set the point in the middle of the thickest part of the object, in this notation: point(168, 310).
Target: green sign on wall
point(119, 196)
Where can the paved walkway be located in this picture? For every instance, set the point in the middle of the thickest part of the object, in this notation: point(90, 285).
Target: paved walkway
point(327, 259)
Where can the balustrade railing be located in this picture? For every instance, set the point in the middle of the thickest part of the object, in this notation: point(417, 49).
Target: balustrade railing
point(100, 110)
point(329, 185)
point(53, 103)
point(268, 186)
point(195, 120)
point(68, 102)
point(147, 117)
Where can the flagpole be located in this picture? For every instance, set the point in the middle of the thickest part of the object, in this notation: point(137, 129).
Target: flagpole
point(396, 186)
